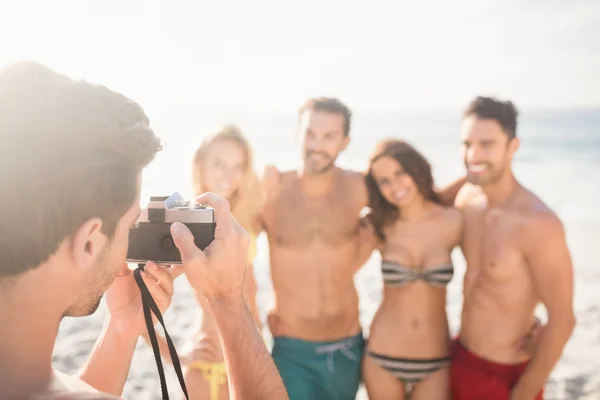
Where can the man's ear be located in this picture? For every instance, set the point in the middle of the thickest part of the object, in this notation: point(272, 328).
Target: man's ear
point(88, 242)
point(346, 142)
point(513, 146)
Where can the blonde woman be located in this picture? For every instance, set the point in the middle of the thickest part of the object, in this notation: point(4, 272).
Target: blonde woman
point(223, 164)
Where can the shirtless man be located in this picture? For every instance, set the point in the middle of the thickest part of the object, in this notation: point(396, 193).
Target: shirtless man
point(71, 162)
point(517, 257)
point(312, 220)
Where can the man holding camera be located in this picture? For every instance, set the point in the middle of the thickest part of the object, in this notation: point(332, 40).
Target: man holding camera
point(70, 171)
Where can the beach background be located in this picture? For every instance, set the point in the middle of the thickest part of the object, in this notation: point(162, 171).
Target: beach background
point(559, 159)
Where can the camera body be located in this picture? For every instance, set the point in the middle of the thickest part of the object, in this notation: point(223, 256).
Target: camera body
point(151, 239)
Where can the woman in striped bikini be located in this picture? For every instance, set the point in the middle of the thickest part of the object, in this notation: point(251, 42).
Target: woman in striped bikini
point(223, 164)
point(409, 342)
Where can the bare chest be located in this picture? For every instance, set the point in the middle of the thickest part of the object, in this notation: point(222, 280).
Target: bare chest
point(296, 220)
point(491, 246)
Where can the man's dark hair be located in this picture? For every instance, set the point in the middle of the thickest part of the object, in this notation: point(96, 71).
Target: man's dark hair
point(69, 151)
point(503, 112)
point(329, 105)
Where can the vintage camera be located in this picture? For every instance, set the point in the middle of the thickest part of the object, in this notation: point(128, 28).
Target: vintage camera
point(151, 239)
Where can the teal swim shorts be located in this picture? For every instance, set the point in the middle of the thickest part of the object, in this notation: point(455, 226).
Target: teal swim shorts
point(319, 370)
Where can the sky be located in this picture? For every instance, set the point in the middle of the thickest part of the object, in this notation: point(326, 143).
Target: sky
point(273, 54)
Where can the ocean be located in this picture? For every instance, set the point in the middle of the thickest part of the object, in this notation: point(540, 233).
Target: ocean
point(559, 159)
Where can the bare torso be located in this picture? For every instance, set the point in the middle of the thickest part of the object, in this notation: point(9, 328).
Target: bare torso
point(313, 244)
point(499, 297)
point(411, 321)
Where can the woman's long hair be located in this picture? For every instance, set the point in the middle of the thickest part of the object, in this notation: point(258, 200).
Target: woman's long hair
point(414, 164)
point(246, 201)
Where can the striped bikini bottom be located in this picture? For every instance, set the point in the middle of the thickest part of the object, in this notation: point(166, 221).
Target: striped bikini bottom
point(409, 370)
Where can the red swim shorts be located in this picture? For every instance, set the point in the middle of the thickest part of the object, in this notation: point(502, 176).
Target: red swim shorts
point(473, 378)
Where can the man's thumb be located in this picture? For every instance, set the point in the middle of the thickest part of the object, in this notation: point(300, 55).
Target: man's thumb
point(184, 240)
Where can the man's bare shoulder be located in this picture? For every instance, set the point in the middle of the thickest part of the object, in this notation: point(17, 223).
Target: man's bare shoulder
point(288, 175)
point(273, 179)
point(274, 174)
point(351, 175)
point(528, 204)
point(270, 174)
point(354, 178)
point(537, 219)
point(354, 181)
point(543, 225)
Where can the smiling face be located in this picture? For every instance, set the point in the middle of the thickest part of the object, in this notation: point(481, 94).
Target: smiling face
point(323, 138)
point(223, 167)
point(487, 150)
point(395, 185)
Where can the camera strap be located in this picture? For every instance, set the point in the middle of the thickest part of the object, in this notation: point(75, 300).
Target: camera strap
point(149, 305)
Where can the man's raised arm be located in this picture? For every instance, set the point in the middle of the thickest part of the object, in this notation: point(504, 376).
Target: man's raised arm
point(269, 185)
point(448, 193)
point(368, 240)
point(219, 276)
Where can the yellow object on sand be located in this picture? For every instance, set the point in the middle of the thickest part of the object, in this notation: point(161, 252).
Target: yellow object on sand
point(214, 373)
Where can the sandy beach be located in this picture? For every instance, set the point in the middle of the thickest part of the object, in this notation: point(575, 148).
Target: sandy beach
point(559, 161)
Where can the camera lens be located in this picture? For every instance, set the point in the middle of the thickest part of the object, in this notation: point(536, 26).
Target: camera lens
point(165, 242)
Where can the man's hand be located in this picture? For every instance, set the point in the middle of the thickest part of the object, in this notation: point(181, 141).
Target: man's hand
point(529, 341)
point(448, 194)
point(124, 300)
point(218, 271)
point(367, 231)
point(124, 323)
point(368, 241)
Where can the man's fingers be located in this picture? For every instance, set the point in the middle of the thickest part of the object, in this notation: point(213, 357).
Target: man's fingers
point(222, 211)
point(176, 270)
point(160, 275)
point(157, 291)
point(184, 240)
point(535, 327)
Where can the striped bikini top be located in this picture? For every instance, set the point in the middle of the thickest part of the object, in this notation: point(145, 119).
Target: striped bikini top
point(395, 274)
